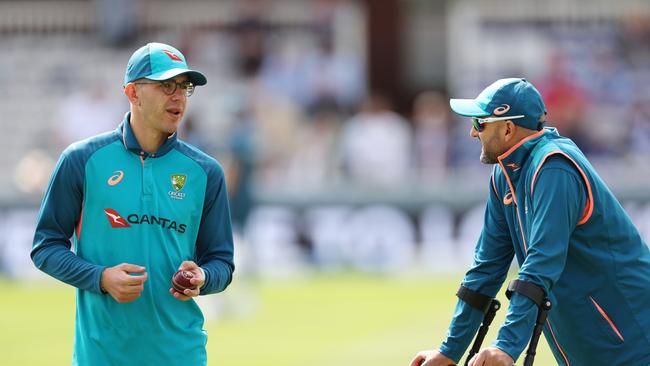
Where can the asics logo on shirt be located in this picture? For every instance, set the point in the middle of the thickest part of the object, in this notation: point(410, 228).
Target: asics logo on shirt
point(507, 199)
point(115, 219)
point(115, 178)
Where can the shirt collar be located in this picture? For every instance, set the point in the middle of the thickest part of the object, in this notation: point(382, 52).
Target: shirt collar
point(131, 142)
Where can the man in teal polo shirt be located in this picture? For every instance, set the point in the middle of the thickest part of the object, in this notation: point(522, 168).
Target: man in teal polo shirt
point(574, 243)
point(139, 204)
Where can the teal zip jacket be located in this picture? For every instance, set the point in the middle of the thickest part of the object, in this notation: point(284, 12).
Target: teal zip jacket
point(549, 208)
point(122, 205)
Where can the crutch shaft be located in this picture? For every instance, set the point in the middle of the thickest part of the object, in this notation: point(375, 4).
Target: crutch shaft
point(482, 331)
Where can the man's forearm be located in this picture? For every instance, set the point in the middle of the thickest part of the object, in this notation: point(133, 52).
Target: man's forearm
point(61, 263)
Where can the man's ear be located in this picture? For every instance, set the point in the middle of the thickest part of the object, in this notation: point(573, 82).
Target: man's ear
point(132, 94)
point(509, 130)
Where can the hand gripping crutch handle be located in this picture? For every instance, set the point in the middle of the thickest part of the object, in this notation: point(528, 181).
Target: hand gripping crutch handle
point(495, 305)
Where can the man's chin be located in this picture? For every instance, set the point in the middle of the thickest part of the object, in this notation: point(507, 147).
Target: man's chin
point(485, 159)
point(172, 125)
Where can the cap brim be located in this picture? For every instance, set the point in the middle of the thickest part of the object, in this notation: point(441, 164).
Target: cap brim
point(194, 76)
point(467, 107)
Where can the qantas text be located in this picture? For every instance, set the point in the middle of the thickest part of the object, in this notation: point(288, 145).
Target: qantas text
point(155, 220)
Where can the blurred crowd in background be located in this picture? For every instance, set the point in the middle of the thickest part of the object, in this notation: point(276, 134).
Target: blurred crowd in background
point(326, 168)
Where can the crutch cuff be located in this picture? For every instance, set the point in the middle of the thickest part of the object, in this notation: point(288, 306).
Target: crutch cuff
point(474, 299)
point(532, 291)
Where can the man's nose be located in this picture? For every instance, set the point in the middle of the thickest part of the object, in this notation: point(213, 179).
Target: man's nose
point(179, 93)
point(473, 132)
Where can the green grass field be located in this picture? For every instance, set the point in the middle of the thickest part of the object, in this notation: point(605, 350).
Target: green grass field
point(322, 320)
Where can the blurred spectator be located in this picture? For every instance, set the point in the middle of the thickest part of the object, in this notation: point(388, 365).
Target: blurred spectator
point(33, 171)
point(639, 131)
point(610, 82)
point(566, 101)
point(334, 78)
point(376, 144)
point(251, 32)
point(311, 70)
point(240, 167)
point(313, 164)
point(612, 90)
point(117, 20)
point(276, 119)
point(633, 45)
point(189, 132)
point(88, 113)
point(284, 70)
point(431, 134)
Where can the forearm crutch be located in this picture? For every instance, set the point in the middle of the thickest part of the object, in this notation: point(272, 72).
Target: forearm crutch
point(488, 306)
point(538, 296)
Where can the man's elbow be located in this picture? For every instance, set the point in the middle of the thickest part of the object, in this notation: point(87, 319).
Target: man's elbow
point(40, 254)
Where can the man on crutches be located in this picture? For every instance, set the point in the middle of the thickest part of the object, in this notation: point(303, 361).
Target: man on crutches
point(584, 278)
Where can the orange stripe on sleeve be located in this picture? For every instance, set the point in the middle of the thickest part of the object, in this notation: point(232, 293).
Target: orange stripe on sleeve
point(589, 207)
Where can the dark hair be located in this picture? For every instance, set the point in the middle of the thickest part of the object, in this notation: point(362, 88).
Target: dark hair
point(541, 121)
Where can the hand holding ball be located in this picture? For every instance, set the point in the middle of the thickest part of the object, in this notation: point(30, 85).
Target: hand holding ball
point(181, 280)
point(187, 281)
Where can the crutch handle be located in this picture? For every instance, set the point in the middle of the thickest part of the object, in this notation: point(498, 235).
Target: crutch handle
point(495, 305)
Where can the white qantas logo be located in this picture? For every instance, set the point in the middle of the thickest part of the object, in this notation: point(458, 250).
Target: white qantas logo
point(114, 217)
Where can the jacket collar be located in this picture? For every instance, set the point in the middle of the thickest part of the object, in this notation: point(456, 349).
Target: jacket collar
point(512, 160)
point(131, 142)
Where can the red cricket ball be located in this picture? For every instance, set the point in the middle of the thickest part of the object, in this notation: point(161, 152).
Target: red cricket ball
point(181, 280)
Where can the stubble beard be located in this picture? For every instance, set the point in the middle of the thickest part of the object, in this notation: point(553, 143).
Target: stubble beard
point(488, 158)
point(489, 150)
point(170, 124)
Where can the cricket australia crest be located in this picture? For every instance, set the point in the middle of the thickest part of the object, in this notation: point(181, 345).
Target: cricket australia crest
point(178, 182)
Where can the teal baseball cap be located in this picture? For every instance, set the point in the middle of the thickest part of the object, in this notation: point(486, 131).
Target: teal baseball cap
point(159, 61)
point(506, 98)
